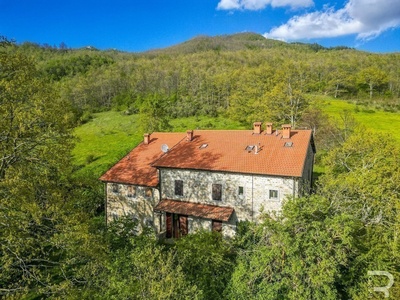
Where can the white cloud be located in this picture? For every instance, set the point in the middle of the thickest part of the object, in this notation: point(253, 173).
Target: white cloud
point(228, 4)
point(261, 4)
point(365, 18)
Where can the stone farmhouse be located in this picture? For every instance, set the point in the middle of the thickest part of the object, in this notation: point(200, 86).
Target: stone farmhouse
point(178, 183)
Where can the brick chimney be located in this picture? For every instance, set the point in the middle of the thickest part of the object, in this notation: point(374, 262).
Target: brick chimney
point(286, 131)
point(146, 138)
point(268, 128)
point(257, 127)
point(189, 135)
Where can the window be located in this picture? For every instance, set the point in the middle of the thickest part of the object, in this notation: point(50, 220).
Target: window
point(249, 148)
point(149, 193)
point(203, 146)
point(178, 187)
point(131, 191)
point(273, 194)
point(115, 188)
point(217, 192)
point(216, 226)
point(289, 144)
point(241, 191)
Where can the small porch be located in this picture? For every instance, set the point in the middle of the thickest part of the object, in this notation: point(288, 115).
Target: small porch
point(179, 213)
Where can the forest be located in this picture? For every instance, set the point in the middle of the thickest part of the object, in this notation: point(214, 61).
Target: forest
point(54, 242)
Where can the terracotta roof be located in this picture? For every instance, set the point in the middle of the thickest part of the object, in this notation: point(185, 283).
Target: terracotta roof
point(225, 150)
point(214, 150)
point(135, 168)
point(213, 212)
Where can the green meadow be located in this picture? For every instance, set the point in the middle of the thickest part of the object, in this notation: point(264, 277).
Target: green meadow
point(377, 120)
point(110, 135)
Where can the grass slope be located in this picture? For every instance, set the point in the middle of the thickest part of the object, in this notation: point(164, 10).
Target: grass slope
point(379, 121)
point(111, 135)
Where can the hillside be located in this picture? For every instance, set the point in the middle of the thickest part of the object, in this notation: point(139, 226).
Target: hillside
point(243, 77)
point(237, 42)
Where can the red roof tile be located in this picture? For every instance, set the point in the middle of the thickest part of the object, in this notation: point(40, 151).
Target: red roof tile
point(135, 168)
point(195, 209)
point(214, 150)
point(225, 151)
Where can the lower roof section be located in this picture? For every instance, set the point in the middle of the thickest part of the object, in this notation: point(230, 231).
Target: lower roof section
point(205, 211)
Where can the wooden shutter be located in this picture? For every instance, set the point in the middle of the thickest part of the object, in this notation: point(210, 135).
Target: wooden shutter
point(183, 225)
point(217, 192)
point(217, 226)
point(168, 225)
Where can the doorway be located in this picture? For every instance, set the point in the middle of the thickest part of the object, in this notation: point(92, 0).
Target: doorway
point(176, 225)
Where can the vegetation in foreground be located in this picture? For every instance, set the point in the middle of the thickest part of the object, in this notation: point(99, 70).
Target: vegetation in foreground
point(53, 240)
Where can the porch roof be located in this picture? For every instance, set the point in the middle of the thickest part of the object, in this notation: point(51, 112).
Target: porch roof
point(206, 211)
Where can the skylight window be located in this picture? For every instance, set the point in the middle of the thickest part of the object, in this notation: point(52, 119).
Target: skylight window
point(203, 146)
point(249, 148)
point(289, 144)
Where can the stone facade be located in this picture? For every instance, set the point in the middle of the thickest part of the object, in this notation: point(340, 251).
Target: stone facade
point(134, 201)
point(148, 183)
point(248, 194)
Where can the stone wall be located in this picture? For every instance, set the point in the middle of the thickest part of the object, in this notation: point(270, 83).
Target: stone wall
point(248, 194)
point(137, 202)
point(306, 180)
point(197, 187)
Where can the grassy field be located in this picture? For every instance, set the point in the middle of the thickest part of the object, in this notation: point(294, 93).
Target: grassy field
point(380, 121)
point(110, 135)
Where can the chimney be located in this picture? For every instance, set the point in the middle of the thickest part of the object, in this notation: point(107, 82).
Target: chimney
point(286, 131)
point(146, 138)
point(189, 135)
point(268, 128)
point(257, 127)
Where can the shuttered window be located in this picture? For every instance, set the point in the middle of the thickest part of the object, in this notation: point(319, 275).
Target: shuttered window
point(217, 192)
point(178, 187)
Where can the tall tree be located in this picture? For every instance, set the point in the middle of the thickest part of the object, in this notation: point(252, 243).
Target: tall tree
point(207, 260)
point(284, 104)
point(31, 115)
point(362, 179)
point(40, 224)
point(302, 254)
point(153, 113)
point(373, 78)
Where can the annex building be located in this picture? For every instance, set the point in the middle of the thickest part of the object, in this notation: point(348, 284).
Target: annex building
point(178, 183)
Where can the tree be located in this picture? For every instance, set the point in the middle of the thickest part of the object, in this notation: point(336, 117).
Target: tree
point(362, 179)
point(136, 267)
point(31, 116)
point(302, 254)
point(207, 262)
point(153, 113)
point(284, 104)
point(43, 236)
point(373, 78)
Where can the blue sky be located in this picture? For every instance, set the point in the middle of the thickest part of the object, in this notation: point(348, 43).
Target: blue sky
point(370, 25)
